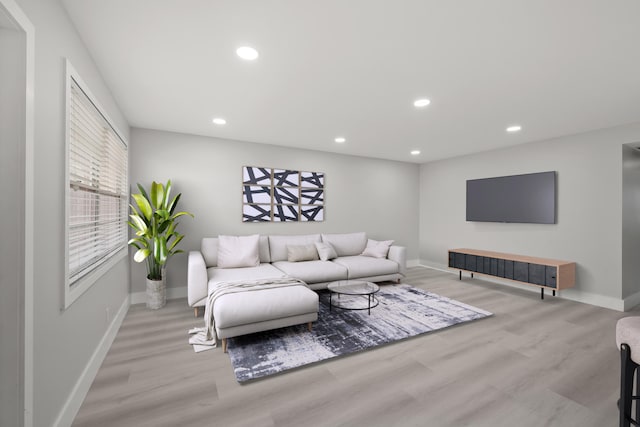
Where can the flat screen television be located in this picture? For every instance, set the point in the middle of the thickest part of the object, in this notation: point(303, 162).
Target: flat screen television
point(529, 198)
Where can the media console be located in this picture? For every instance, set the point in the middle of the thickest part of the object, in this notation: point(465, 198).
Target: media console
point(545, 273)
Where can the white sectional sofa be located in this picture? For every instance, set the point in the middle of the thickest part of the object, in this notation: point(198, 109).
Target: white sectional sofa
point(248, 312)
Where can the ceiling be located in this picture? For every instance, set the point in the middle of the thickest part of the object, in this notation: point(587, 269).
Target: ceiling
point(353, 68)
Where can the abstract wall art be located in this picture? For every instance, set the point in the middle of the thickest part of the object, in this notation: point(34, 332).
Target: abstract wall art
point(281, 195)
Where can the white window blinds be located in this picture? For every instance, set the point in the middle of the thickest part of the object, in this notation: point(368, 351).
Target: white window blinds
point(98, 187)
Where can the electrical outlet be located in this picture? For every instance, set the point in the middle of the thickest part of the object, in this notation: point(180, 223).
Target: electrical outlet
point(108, 313)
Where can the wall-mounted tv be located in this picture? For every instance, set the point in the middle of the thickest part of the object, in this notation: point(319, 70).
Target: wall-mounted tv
point(529, 198)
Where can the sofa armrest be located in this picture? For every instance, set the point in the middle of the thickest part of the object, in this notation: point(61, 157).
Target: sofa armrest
point(399, 255)
point(196, 278)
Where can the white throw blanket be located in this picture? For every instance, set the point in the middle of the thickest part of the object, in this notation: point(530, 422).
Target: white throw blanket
point(205, 338)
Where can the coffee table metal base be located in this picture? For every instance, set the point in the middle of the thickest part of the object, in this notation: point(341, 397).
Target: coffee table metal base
point(372, 302)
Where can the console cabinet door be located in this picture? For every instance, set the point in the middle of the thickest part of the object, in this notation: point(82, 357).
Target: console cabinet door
point(470, 263)
point(521, 271)
point(508, 269)
point(500, 268)
point(537, 274)
point(494, 267)
point(480, 264)
point(551, 274)
point(452, 259)
point(460, 261)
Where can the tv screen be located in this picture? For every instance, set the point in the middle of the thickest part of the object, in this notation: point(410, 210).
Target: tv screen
point(529, 198)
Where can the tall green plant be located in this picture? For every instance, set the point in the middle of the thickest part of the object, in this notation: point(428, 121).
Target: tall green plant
point(154, 222)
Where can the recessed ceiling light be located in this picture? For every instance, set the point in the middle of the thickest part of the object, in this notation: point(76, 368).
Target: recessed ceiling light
point(421, 102)
point(415, 152)
point(219, 121)
point(340, 140)
point(247, 52)
point(515, 128)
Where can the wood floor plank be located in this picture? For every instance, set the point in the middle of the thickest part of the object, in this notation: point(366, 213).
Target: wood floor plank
point(535, 362)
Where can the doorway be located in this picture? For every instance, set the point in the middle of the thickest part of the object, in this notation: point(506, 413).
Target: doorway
point(16, 224)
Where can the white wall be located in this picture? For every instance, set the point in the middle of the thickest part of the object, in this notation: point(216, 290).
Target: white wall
point(630, 220)
point(589, 218)
point(12, 134)
point(376, 196)
point(65, 340)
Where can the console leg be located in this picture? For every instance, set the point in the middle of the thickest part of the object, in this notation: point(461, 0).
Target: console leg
point(460, 274)
point(541, 293)
point(472, 275)
point(554, 292)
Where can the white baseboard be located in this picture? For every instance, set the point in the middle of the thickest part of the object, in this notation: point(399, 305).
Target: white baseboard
point(434, 266)
point(631, 301)
point(570, 294)
point(594, 299)
point(172, 293)
point(413, 263)
point(80, 390)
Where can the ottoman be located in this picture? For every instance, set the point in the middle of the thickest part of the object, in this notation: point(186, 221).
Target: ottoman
point(259, 310)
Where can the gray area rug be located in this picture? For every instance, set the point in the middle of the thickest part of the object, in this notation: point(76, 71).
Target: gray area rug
point(404, 311)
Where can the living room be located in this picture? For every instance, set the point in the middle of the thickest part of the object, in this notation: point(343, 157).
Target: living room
point(418, 201)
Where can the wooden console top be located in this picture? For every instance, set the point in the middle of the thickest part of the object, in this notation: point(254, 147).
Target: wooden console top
point(512, 257)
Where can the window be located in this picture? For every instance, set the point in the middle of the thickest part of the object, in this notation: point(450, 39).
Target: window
point(97, 190)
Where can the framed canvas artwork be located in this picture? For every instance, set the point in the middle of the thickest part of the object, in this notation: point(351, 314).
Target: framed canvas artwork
point(281, 195)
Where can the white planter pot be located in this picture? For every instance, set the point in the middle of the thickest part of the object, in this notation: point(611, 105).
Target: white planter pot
point(156, 294)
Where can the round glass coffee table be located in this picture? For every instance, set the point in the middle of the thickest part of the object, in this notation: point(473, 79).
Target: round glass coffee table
point(353, 288)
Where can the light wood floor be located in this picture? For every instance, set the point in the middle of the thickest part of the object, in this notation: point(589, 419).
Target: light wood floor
point(534, 363)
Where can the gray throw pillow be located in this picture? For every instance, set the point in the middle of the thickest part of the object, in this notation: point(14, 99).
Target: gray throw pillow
point(297, 253)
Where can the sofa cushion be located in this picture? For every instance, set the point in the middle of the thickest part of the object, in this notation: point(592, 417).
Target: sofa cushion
point(363, 266)
point(238, 251)
point(326, 251)
point(209, 249)
point(262, 271)
point(347, 244)
point(296, 253)
point(278, 244)
point(377, 249)
point(313, 271)
point(242, 308)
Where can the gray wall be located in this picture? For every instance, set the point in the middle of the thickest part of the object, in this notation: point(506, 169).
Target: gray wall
point(376, 196)
point(65, 340)
point(589, 215)
point(630, 220)
point(12, 134)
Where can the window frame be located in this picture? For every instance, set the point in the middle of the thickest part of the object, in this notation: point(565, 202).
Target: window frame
point(72, 291)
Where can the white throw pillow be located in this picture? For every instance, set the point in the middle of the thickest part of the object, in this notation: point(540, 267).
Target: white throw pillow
point(238, 251)
point(297, 253)
point(326, 251)
point(377, 249)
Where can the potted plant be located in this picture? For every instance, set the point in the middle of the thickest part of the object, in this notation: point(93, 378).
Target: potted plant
point(154, 222)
